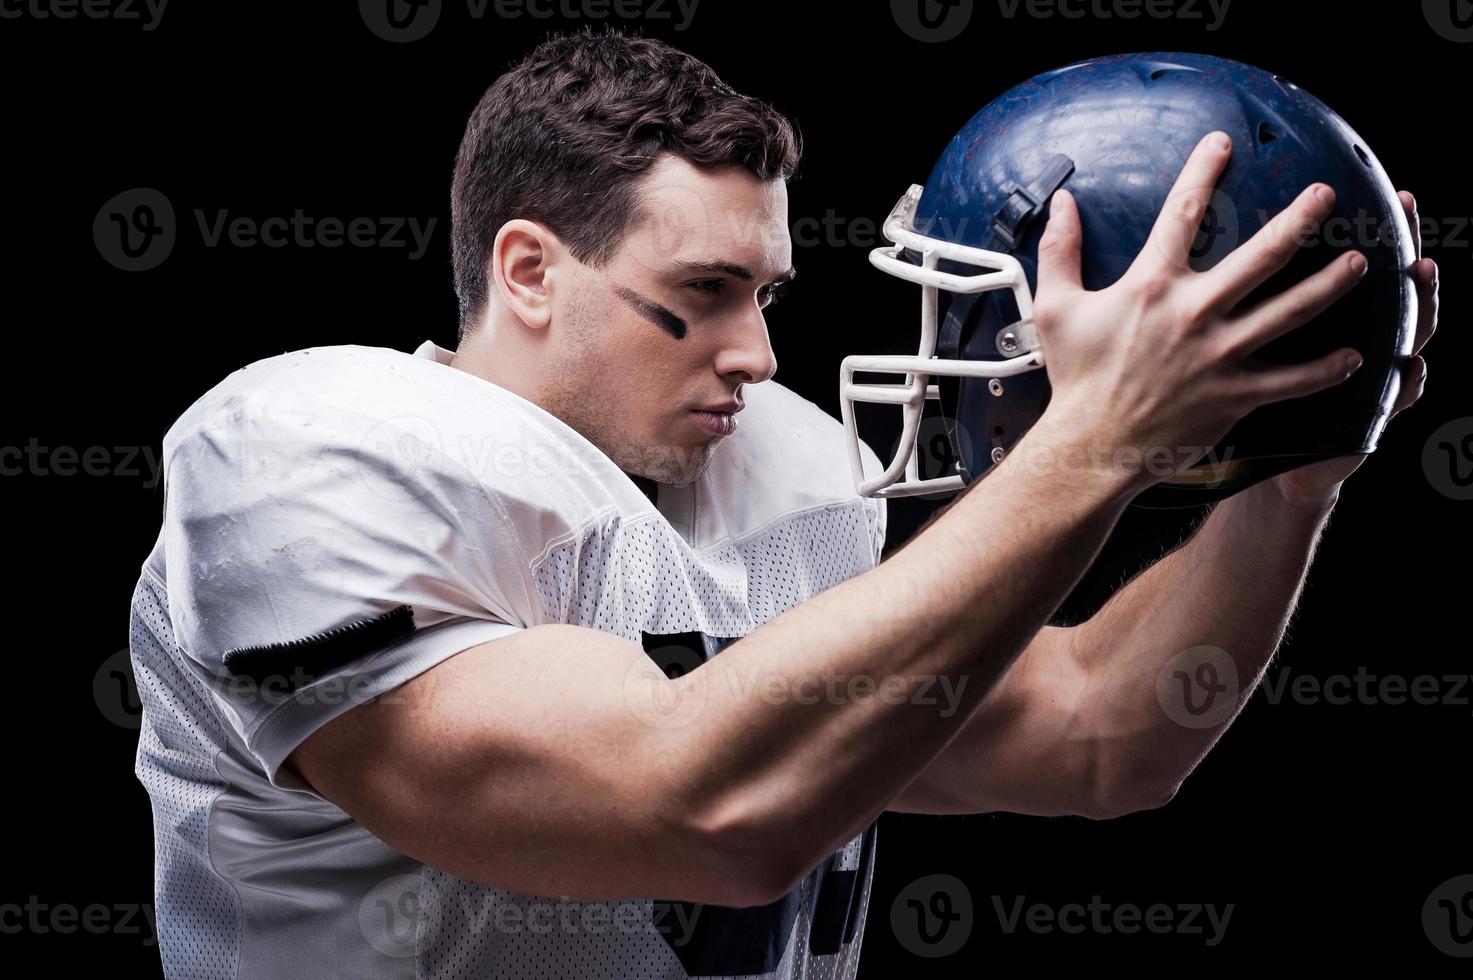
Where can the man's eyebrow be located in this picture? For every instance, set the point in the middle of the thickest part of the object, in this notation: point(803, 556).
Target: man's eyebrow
point(741, 272)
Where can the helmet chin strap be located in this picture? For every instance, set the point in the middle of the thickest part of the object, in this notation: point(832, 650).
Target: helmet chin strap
point(1007, 228)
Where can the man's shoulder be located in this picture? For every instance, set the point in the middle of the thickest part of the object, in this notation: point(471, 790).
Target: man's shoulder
point(312, 385)
point(394, 428)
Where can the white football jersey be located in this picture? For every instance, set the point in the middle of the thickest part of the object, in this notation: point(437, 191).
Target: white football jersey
point(338, 520)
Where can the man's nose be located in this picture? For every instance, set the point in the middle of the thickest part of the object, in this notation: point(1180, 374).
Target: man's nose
point(749, 357)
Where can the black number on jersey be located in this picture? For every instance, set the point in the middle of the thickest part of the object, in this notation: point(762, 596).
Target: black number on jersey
point(715, 941)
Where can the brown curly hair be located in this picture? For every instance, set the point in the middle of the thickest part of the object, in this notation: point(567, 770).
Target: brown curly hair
point(564, 135)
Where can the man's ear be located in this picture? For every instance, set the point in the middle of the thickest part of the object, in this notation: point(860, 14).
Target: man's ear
point(518, 271)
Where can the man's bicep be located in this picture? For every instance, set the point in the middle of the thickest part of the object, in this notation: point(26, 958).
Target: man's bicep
point(524, 764)
point(402, 763)
point(380, 678)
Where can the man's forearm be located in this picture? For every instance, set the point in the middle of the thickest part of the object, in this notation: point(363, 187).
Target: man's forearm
point(944, 617)
point(1232, 587)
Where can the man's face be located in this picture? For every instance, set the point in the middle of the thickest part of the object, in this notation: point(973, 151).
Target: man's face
point(674, 322)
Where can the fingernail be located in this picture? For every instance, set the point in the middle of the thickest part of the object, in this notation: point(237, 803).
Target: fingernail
point(1323, 194)
point(1352, 363)
point(1221, 141)
point(1357, 264)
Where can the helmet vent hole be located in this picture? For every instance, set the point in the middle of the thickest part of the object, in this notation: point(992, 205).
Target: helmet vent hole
point(1161, 71)
point(997, 430)
point(1268, 132)
point(1364, 157)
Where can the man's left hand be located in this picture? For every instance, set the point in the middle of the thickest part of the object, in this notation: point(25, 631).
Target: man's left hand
point(1318, 484)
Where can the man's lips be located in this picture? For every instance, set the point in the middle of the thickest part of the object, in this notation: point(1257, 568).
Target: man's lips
point(722, 423)
point(725, 408)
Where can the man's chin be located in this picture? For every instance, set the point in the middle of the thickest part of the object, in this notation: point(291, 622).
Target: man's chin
point(676, 466)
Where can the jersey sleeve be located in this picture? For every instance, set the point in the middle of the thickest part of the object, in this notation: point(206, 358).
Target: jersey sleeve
point(319, 558)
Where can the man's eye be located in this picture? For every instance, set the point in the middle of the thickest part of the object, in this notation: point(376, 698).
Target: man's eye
point(765, 296)
point(772, 294)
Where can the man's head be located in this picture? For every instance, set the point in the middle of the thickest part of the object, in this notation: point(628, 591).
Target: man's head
point(620, 223)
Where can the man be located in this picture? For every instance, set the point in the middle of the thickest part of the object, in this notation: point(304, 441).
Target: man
point(537, 659)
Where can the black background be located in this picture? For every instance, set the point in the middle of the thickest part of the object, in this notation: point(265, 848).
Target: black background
point(1325, 826)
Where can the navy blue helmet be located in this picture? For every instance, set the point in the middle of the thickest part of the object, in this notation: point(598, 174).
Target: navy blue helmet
point(1116, 132)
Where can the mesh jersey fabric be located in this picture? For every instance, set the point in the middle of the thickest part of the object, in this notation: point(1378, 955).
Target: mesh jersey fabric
point(372, 513)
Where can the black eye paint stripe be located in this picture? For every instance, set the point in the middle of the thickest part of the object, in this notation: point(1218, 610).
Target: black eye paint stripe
point(654, 312)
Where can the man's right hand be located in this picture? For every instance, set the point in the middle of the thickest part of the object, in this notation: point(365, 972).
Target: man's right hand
point(1159, 364)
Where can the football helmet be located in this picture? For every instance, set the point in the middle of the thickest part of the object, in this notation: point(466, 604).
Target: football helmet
point(1116, 131)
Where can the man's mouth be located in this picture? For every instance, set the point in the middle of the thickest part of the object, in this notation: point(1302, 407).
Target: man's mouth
point(716, 423)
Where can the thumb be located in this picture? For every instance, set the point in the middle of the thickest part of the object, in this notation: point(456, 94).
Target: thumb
point(1059, 248)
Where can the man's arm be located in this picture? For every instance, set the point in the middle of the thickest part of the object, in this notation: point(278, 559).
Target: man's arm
point(1233, 586)
point(574, 768)
point(1022, 751)
point(1079, 715)
point(1026, 749)
point(562, 761)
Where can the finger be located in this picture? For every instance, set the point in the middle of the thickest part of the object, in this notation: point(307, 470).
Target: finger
point(1250, 264)
point(1059, 249)
point(1294, 307)
point(1409, 205)
point(1424, 273)
point(1171, 238)
point(1278, 383)
point(1413, 382)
